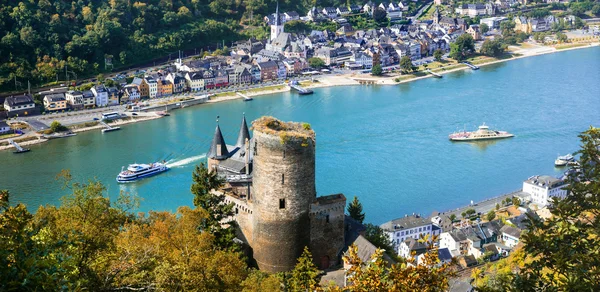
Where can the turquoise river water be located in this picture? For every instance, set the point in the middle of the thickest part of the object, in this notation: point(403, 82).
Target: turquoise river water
point(388, 145)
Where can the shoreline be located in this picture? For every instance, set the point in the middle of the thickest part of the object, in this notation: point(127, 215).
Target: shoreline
point(333, 81)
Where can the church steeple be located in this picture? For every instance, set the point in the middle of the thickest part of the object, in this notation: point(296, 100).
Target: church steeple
point(218, 148)
point(277, 25)
point(243, 135)
point(436, 15)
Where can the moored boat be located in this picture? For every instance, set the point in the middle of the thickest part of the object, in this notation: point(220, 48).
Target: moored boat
point(138, 171)
point(483, 133)
point(564, 160)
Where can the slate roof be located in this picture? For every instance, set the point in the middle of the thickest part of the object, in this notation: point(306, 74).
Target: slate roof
point(444, 254)
point(415, 245)
point(407, 222)
point(267, 64)
point(87, 94)
point(218, 140)
point(243, 134)
point(3, 124)
point(55, 97)
point(512, 231)
point(19, 100)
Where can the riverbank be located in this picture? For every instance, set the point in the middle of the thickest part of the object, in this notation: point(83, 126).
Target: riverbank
point(352, 80)
point(34, 138)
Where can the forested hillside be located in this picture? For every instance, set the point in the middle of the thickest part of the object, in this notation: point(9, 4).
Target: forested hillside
point(38, 37)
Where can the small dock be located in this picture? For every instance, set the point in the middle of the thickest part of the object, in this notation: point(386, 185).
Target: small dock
point(18, 147)
point(434, 74)
point(301, 90)
point(108, 128)
point(246, 98)
point(471, 65)
point(366, 81)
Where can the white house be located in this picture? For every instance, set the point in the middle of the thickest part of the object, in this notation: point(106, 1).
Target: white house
point(132, 93)
point(542, 188)
point(74, 99)
point(4, 127)
point(411, 247)
point(330, 12)
point(510, 235)
point(195, 81)
point(363, 60)
point(101, 95)
point(152, 86)
point(18, 103)
point(401, 229)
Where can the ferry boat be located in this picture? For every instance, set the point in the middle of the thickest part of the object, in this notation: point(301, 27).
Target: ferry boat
point(483, 133)
point(138, 171)
point(564, 160)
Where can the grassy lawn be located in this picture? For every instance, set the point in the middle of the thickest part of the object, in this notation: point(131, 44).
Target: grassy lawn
point(568, 46)
point(6, 136)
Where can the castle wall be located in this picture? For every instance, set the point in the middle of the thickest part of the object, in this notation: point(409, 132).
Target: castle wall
point(327, 229)
point(243, 216)
point(283, 189)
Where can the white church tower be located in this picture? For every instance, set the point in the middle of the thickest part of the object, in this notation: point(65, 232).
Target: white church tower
point(277, 27)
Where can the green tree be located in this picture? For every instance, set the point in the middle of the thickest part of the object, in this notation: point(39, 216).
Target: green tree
point(56, 126)
point(376, 275)
point(563, 250)
point(561, 37)
point(464, 215)
point(596, 9)
point(491, 215)
point(484, 28)
point(463, 47)
point(452, 217)
point(492, 48)
point(376, 70)
point(204, 188)
point(316, 63)
point(406, 64)
point(470, 211)
point(258, 281)
point(497, 206)
point(378, 237)
point(379, 14)
point(355, 210)
point(304, 274)
point(438, 54)
point(516, 201)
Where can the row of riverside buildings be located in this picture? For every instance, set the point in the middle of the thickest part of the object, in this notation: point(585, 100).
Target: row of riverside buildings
point(469, 241)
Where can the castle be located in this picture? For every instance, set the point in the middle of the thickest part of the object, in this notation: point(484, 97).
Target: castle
point(270, 178)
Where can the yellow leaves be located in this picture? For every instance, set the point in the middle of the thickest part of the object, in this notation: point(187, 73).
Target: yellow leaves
point(376, 275)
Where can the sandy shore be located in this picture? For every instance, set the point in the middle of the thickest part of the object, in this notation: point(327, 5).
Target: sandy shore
point(337, 80)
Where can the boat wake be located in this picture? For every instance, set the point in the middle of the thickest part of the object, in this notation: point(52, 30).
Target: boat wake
point(183, 162)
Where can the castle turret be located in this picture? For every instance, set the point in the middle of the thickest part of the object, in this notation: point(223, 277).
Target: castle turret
point(218, 149)
point(243, 135)
point(283, 188)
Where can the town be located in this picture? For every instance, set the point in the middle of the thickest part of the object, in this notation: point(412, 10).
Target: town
point(398, 30)
point(257, 217)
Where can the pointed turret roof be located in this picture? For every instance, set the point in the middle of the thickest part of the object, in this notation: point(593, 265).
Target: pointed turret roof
point(243, 135)
point(216, 142)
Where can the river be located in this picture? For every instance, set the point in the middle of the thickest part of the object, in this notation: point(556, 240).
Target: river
point(387, 145)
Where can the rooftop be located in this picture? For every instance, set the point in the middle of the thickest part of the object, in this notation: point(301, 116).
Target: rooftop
point(271, 125)
point(544, 181)
point(407, 222)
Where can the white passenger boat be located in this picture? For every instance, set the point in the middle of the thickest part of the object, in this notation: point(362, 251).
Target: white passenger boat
point(483, 133)
point(138, 171)
point(564, 160)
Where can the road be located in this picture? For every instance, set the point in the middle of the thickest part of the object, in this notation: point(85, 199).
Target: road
point(419, 12)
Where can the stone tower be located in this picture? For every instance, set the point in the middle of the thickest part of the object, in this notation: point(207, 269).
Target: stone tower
point(277, 26)
point(283, 188)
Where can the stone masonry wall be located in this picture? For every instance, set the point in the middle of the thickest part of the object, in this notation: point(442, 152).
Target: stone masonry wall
point(283, 189)
point(327, 229)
